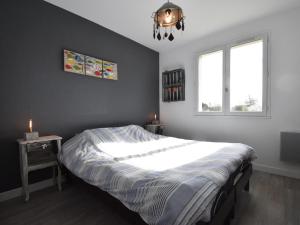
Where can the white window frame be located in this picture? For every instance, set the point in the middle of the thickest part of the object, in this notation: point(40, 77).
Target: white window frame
point(226, 79)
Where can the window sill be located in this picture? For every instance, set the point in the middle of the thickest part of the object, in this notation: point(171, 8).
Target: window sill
point(222, 115)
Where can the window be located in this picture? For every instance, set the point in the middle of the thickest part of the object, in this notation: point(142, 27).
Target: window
point(232, 80)
point(211, 82)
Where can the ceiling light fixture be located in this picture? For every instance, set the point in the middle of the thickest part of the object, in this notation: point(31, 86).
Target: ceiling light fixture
point(165, 18)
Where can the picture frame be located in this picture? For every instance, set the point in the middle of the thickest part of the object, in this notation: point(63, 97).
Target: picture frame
point(74, 62)
point(90, 66)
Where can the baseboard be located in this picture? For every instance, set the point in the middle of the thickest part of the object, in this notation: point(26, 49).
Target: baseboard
point(276, 171)
point(17, 192)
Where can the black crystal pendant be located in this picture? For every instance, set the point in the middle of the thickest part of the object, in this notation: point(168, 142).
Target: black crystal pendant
point(171, 37)
point(166, 34)
point(159, 36)
point(182, 27)
point(153, 34)
point(178, 25)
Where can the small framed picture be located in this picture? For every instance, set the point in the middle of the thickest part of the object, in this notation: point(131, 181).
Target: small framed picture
point(93, 67)
point(110, 70)
point(74, 62)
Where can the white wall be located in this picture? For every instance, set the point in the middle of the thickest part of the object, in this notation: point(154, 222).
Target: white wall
point(261, 133)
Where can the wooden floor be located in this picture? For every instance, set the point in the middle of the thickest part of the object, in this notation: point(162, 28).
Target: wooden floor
point(272, 200)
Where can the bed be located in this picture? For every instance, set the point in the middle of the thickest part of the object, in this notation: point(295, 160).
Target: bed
point(166, 180)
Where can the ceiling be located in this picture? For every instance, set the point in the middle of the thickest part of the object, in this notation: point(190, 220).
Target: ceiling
point(132, 18)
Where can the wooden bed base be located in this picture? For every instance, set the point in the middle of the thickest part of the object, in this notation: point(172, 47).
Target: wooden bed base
point(223, 209)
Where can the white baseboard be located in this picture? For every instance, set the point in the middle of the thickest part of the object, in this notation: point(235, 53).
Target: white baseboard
point(276, 171)
point(17, 192)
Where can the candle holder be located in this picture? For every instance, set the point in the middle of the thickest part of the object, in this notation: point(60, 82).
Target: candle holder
point(30, 136)
point(155, 121)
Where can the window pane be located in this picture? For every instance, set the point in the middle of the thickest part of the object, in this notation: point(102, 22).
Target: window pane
point(246, 77)
point(210, 82)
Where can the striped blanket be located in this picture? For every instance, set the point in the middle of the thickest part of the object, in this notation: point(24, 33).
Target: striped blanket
point(168, 181)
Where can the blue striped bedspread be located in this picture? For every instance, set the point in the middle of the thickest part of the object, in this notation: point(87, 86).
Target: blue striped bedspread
point(168, 181)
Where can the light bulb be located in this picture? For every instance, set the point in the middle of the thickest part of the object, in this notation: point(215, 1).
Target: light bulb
point(168, 16)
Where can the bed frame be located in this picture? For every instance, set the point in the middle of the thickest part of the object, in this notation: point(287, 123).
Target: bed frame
point(223, 209)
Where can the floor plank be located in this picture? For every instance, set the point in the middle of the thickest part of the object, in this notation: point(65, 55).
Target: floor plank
point(272, 200)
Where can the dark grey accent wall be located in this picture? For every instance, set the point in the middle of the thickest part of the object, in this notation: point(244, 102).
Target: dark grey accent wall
point(33, 84)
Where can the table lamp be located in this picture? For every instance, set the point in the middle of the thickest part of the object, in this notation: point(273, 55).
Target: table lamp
point(31, 135)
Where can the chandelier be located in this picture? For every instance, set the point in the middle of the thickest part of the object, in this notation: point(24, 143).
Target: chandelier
point(165, 19)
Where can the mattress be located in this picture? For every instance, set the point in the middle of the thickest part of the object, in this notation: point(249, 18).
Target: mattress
point(166, 180)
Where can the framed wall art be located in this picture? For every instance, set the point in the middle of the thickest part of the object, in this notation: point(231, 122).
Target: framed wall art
point(86, 65)
point(73, 62)
point(110, 70)
point(93, 67)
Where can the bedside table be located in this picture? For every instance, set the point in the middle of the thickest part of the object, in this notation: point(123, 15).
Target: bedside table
point(155, 128)
point(36, 155)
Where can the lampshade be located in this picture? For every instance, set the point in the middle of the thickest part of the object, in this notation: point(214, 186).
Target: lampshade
point(165, 18)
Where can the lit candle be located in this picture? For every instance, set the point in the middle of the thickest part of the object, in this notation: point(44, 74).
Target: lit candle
point(154, 116)
point(30, 125)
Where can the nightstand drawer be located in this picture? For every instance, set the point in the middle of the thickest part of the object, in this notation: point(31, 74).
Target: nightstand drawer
point(39, 157)
point(40, 146)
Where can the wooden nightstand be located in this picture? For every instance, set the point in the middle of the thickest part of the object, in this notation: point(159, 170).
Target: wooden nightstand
point(36, 155)
point(155, 128)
